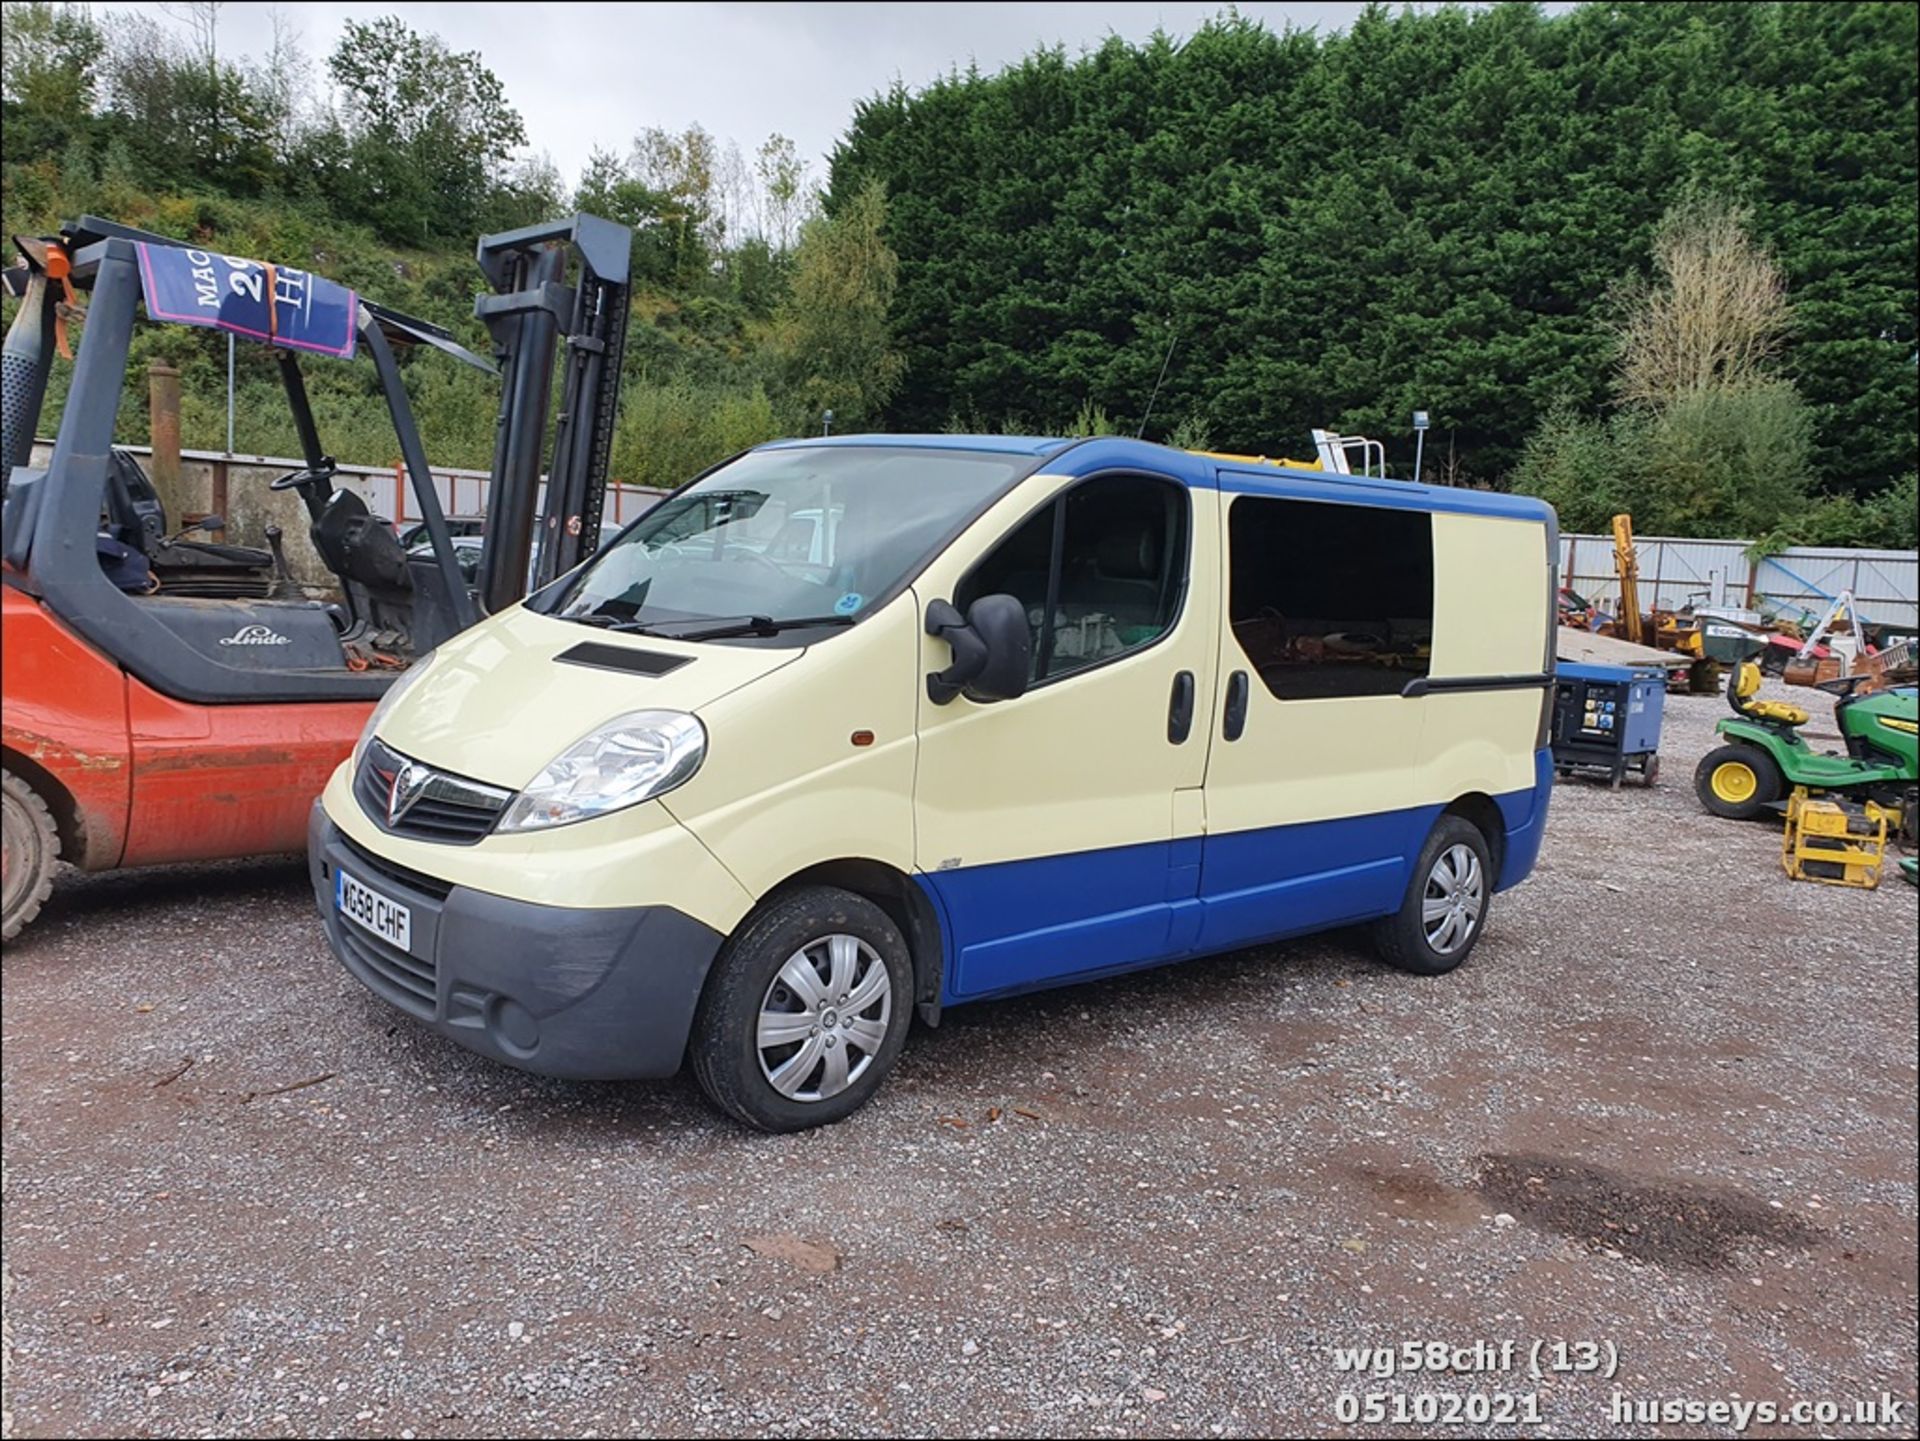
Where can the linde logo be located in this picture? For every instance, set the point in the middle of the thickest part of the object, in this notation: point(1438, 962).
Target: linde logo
point(256, 635)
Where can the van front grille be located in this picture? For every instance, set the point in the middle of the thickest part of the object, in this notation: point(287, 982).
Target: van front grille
point(408, 798)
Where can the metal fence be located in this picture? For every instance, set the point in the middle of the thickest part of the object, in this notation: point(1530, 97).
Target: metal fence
point(1673, 571)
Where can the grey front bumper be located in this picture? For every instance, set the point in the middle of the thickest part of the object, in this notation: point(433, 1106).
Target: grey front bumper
point(587, 994)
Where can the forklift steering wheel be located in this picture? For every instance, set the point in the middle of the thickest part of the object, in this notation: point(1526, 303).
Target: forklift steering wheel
point(294, 479)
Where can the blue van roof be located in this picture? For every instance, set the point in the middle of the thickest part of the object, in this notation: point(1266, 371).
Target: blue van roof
point(1005, 444)
point(1250, 477)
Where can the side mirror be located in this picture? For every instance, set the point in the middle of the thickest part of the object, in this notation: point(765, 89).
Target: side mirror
point(992, 649)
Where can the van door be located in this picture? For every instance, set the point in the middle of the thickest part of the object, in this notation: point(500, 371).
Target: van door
point(1312, 783)
point(1059, 832)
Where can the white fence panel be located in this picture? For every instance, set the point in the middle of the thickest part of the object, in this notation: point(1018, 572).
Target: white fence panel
point(1675, 570)
point(1884, 582)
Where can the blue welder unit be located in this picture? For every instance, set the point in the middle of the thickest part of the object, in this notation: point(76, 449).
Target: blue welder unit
point(1606, 718)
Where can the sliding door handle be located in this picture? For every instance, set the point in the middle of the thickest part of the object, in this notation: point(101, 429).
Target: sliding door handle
point(1235, 720)
point(1180, 709)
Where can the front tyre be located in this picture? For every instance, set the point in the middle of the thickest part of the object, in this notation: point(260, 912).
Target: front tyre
point(1445, 908)
point(1737, 781)
point(32, 847)
point(805, 1011)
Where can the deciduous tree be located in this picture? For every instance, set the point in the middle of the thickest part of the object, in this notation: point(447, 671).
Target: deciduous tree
point(1715, 316)
point(834, 344)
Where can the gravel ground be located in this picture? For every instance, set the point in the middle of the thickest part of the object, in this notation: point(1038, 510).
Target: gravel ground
point(1668, 1106)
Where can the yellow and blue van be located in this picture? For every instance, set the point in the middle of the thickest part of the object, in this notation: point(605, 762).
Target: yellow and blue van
point(855, 728)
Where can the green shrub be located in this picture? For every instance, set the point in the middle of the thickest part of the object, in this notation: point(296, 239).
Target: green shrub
point(1586, 468)
point(1730, 462)
point(1092, 419)
point(1193, 433)
point(1889, 520)
point(670, 433)
point(1725, 462)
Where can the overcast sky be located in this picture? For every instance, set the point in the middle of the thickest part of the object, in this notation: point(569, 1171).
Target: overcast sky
point(594, 74)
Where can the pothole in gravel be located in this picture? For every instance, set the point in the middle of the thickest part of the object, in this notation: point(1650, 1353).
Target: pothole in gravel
point(1411, 1195)
point(1674, 1224)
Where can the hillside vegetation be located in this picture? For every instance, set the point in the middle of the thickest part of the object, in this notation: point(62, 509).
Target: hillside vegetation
point(752, 312)
point(1494, 215)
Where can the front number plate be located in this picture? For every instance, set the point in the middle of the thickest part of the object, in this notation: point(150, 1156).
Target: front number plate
point(371, 911)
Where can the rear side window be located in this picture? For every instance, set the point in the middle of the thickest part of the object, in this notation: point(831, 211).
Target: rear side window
point(1101, 571)
point(1328, 599)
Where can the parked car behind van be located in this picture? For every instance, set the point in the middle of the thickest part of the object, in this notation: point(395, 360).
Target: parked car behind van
point(863, 727)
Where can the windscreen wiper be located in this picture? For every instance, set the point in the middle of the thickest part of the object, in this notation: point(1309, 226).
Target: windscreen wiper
point(744, 625)
point(705, 628)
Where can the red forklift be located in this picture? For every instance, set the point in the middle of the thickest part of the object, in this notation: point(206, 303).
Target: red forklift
point(171, 699)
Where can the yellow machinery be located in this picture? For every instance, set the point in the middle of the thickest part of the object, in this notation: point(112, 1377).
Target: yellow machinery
point(1627, 564)
point(1335, 452)
point(1663, 629)
point(1672, 632)
point(1836, 842)
point(1279, 460)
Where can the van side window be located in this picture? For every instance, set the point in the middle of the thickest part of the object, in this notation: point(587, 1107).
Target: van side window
point(1107, 559)
point(1329, 599)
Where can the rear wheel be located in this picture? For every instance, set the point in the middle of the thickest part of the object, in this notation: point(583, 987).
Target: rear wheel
point(1445, 907)
point(805, 1012)
point(32, 848)
point(1737, 781)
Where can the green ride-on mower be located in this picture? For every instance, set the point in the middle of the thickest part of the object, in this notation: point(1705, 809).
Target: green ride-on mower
point(1765, 756)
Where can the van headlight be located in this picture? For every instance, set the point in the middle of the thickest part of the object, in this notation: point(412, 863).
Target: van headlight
point(628, 760)
point(387, 702)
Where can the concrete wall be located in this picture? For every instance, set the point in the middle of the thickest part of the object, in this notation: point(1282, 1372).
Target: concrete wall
point(250, 506)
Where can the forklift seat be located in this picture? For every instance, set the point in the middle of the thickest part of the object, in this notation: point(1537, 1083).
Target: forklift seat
point(358, 546)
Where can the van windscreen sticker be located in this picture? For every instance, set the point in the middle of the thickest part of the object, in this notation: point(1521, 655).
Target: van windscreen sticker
point(849, 603)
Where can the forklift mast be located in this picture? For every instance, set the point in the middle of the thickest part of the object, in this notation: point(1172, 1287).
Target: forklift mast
point(534, 311)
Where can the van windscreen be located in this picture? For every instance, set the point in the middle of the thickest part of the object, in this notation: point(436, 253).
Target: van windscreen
point(814, 532)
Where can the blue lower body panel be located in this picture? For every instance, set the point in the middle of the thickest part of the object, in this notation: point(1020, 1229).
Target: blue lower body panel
point(1525, 813)
point(1289, 880)
point(1025, 925)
